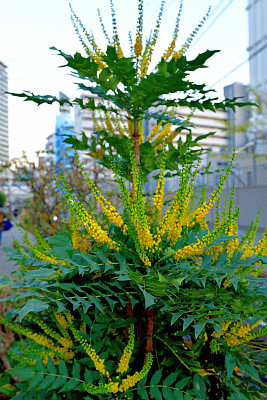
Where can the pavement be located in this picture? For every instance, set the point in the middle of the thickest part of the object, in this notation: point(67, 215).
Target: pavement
point(6, 266)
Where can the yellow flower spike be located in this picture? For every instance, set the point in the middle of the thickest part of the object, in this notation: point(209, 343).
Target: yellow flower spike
point(159, 193)
point(109, 210)
point(167, 54)
point(153, 132)
point(127, 353)
point(138, 46)
point(108, 123)
point(132, 380)
point(98, 362)
point(151, 45)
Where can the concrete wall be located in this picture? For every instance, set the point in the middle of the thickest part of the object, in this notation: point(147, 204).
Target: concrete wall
point(249, 200)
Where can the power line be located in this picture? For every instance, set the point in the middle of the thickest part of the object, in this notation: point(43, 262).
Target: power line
point(213, 22)
point(240, 65)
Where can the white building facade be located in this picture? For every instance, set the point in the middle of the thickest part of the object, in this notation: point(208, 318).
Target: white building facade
point(257, 16)
point(4, 153)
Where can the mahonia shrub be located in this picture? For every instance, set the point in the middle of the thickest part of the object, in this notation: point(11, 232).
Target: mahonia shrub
point(149, 302)
point(164, 283)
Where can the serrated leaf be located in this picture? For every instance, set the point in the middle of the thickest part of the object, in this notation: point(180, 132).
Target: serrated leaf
point(230, 364)
point(149, 299)
point(40, 365)
point(170, 379)
point(188, 320)
point(76, 370)
point(70, 385)
point(47, 382)
point(198, 327)
point(155, 393)
point(22, 373)
point(176, 316)
point(63, 369)
point(50, 366)
point(34, 382)
point(182, 383)
point(32, 305)
point(156, 377)
point(167, 393)
point(59, 382)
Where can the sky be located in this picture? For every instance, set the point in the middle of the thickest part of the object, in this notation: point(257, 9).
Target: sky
point(29, 28)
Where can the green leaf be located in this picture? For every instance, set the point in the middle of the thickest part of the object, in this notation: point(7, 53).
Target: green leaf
point(199, 387)
point(183, 383)
point(170, 379)
point(46, 383)
point(59, 382)
point(50, 366)
point(149, 299)
point(230, 364)
point(188, 321)
point(32, 305)
point(176, 316)
point(76, 370)
point(198, 327)
point(40, 365)
point(35, 381)
point(167, 393)
point(22, 373)
point(63, 369)
point(155, 393)
point(156, 377)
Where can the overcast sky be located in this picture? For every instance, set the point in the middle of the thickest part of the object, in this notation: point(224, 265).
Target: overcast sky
point(29, 27)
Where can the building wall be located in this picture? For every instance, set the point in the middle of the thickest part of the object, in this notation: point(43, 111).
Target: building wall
point(4, 153)
point(257, 15)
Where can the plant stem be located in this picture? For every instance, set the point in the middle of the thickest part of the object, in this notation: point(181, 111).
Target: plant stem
point(149, 338)
point(136, 137)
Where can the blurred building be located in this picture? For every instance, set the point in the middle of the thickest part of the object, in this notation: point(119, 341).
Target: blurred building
point(257, 14)
point(59, 152)
point(4, 155)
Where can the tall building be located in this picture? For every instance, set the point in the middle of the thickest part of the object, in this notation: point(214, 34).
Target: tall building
point(59, 152)
point(257, 14)
point(3, 114)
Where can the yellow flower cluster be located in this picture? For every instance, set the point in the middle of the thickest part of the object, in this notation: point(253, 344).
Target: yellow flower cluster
point(126, 383)
point(43, 255)
point(109, 124)
point(162, 134)
point(151, 45)
point(127, 353)
point(198, 216)
point(138, 46)
point(238, 334)
point(186, 45)
point(80, 241)
point(131, 380)
point(167, 54)
point(63, 353)
point(196, 248)
point(98, 362)
point(109, 210)
point(92, 227)
point(96, 54)
point(153, 132)
point(64, 341)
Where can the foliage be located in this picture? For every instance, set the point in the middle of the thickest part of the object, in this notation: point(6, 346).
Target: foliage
point(2, 199)
point(150, 302)
point(45, 209)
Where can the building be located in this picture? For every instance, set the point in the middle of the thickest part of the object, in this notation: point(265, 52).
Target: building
point(203, 123)
point(59, 152)
point(4, 153)
point(257, 13)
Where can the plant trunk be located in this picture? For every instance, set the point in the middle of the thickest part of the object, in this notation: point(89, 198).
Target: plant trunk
point(136, 137)
point(149, 338)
